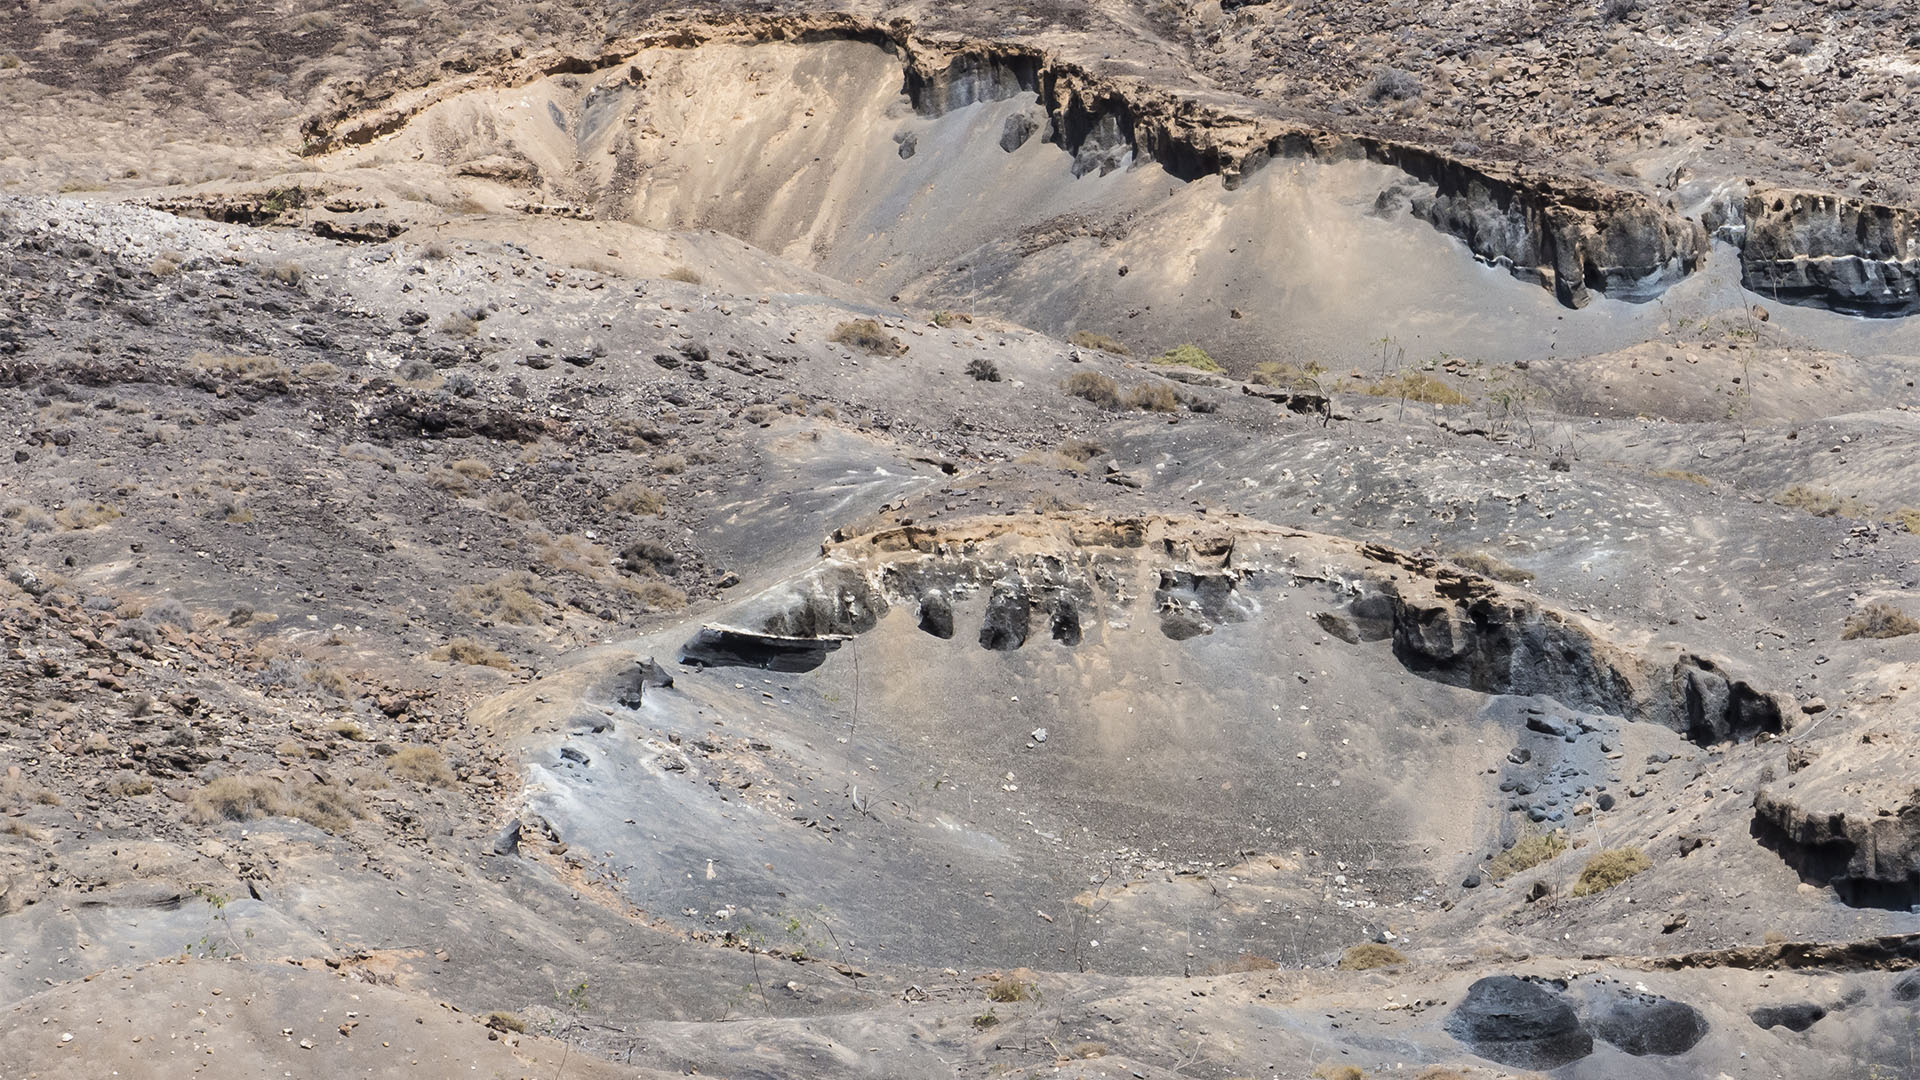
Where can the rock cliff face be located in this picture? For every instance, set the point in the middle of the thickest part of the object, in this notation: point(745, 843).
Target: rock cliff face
point(1868, 860)
point(1444, 624)
point(1577, 237)
point(1809, 247)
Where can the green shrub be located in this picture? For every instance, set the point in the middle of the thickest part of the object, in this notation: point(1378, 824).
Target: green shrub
point(1610, 868)
point(1192, 356)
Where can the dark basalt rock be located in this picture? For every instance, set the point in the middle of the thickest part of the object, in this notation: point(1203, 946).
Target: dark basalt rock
point(1907, 987)
point(1648, 1024)
point(1519, 1023)
point(1008, 619)
point(1794, 1016)
point(713, 647)
point(1868, 860)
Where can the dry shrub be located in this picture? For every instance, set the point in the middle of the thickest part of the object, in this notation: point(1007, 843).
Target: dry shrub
point(1819, 502)
point(1439, 1072)
point(867, 336)
point(1490, 567)
point(472, 468)
point(465, 650)
point(1879, 621)
point(17, 793)
point(29, 518)
point(1153, 397)
point(1415, 386)
point(236, 798)
point(1242, 964)
point(1087, 339)
point(509, 504)
point(287, 273)
point(659, 596)
point(1681, 474)
point(517, 597)
point(331, 680)
point(247, 368)
point(422, 765)
point(504, 1021)
point(449, 481)
point(634, 497)
point(128, 785)
point(86, 515)
point(671, 464)
point(684, 273)
point(1328, 1070)
point(1526, 853)
point(320, 371)
point(1007, 990)
point(348, 730)
point(1371, 955)
point(1095, 387)
point(1610, 868)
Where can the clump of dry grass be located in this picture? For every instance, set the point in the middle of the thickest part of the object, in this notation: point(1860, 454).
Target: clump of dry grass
point(684, 273)
point(659, 596)
point(634, 497)
point(245, 368)
point(1682, 474)
point(1095, 387)
point(1820, 502)
point(866, 335)
point(1488, 566)
point(1878, 620)
point(465, 650)
point(517, 597)
point(1526, 853)
point(1008, 990)
point(422, 765)
point(1328, 1070)
point(129, 785)
point(86, 515)
point(472, 468)
point(1242, 964)
point(1088, 339)
point(18, 792)
point(1366, 957)
point(1610, 868)
point(510, 504)
point(1153, 397)
point(1416, 386)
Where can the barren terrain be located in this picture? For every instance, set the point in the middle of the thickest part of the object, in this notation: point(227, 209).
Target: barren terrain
point(1096, 539)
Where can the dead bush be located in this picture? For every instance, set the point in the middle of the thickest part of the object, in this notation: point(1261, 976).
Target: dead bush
point(1087, 339)
point(1490, 567)
point(472, 468)
point(86, 515)
point(1415, 386)
point(517, 597)
point(465, 650)
point(1095, 387)
point(509, 504)
point(422, 765)
point(1879, 620)
point(1610, 868)
point(1153, 397)
point(1526, 853)
point(245, 368)
point(983, 369)
point(1371, 955)
point(684, 273)
point(866, 335)
point(634, 497)
point(660, 596)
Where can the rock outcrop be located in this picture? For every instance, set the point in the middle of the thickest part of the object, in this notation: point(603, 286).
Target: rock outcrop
point(1519, 1023)
point(1810, 247)
point(1869, 860)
